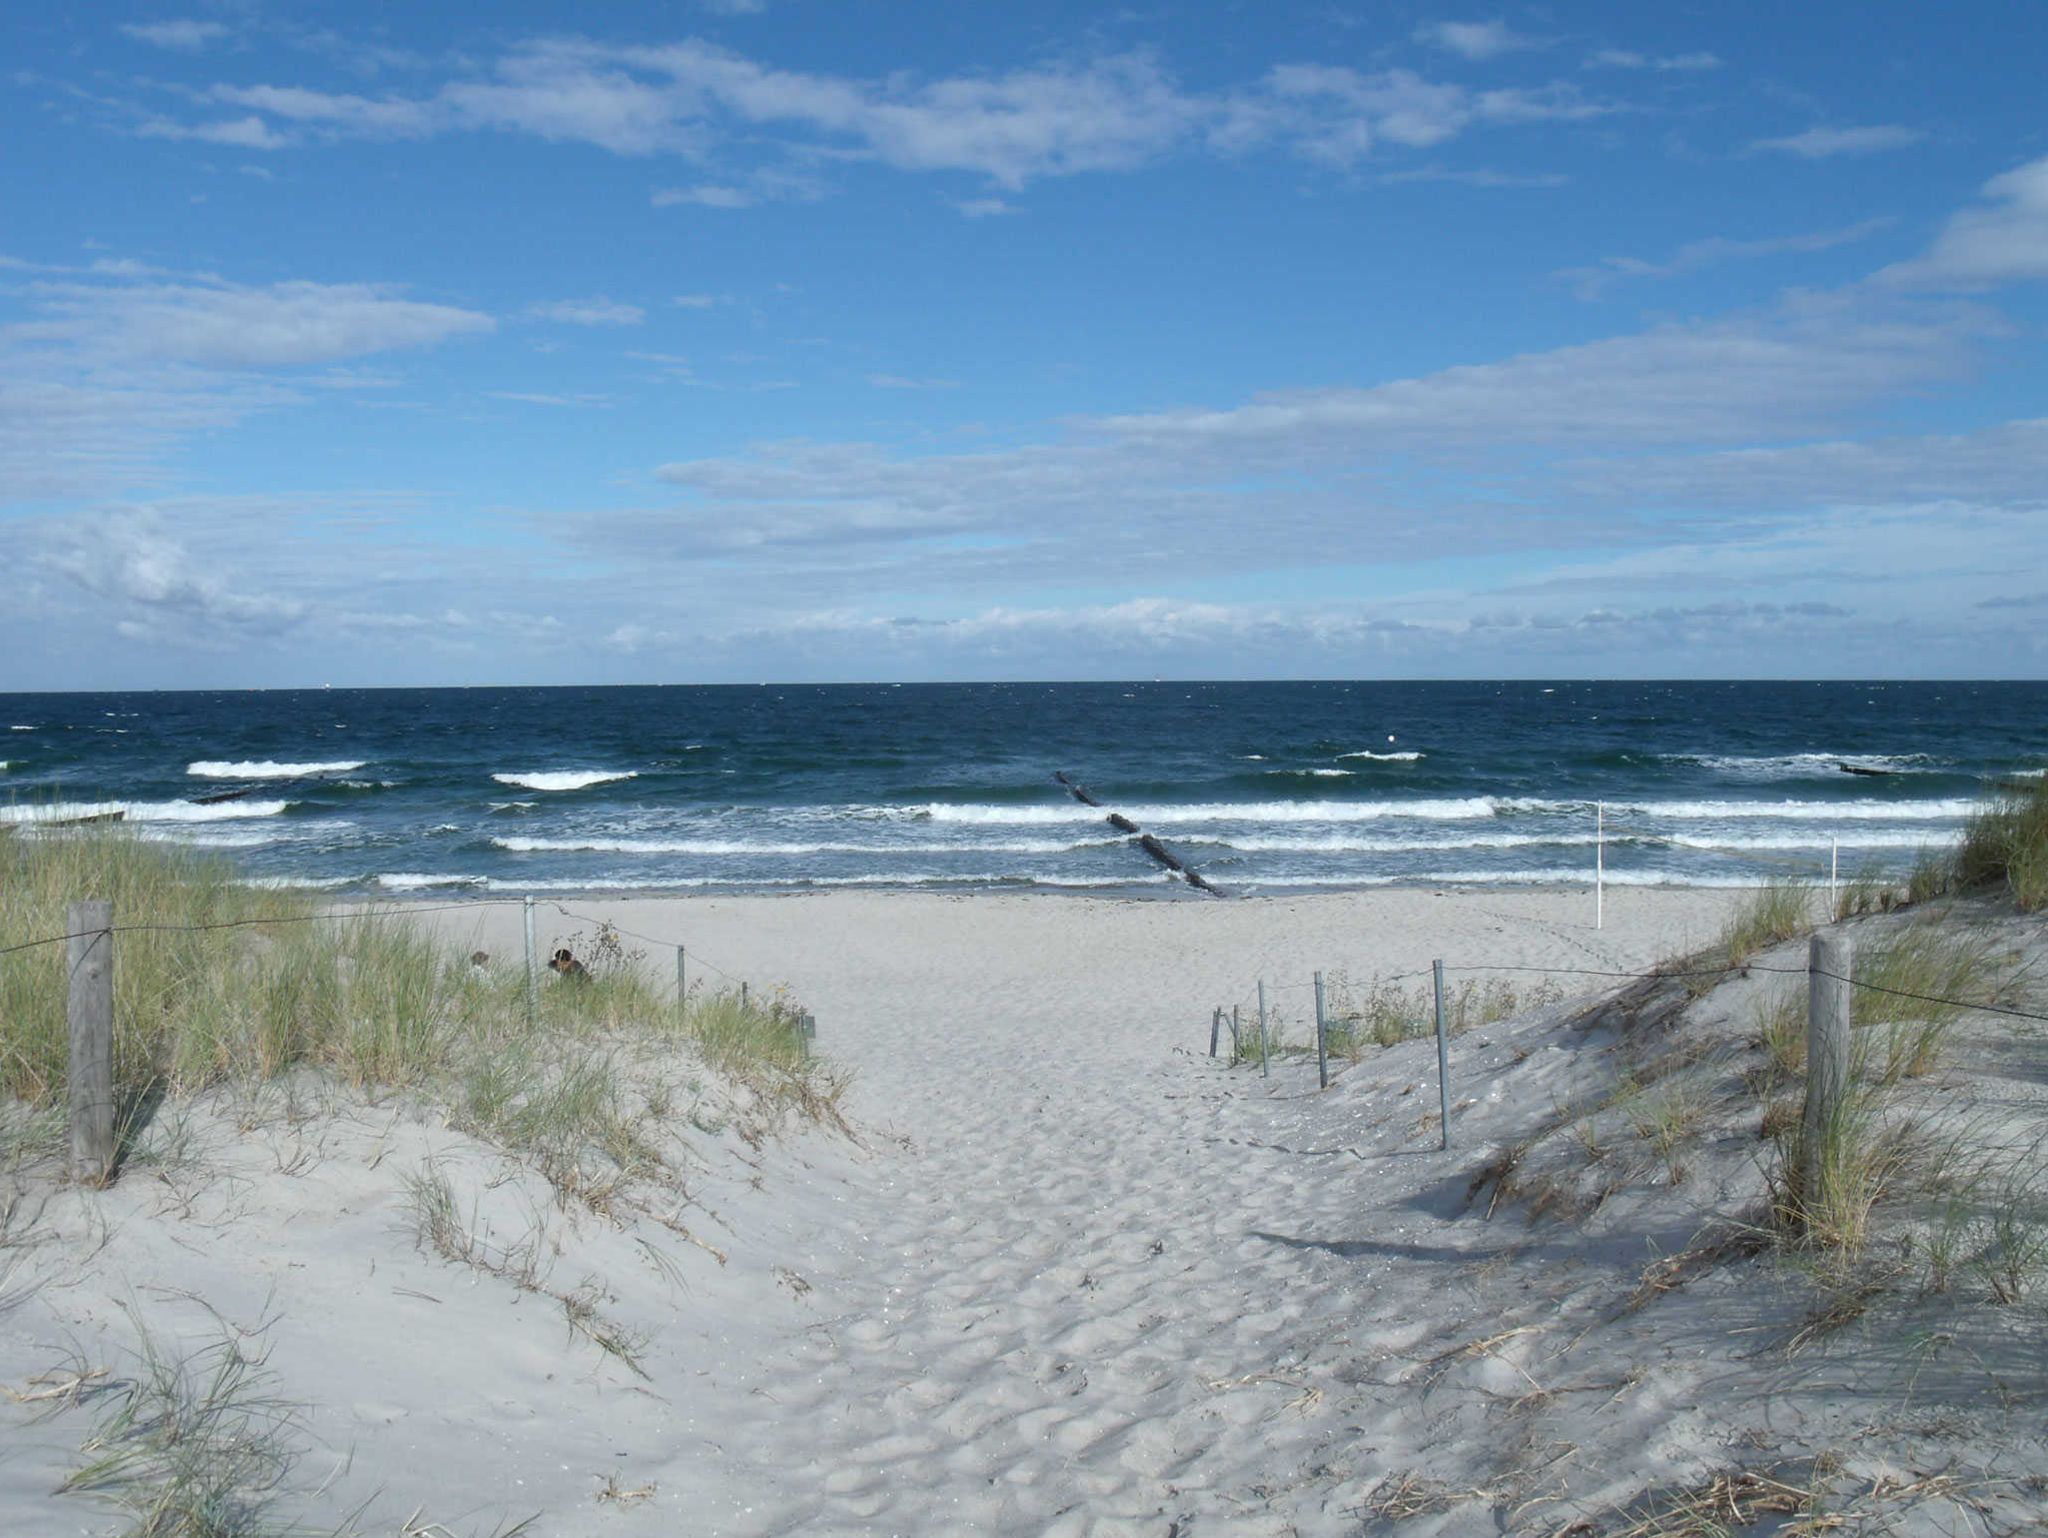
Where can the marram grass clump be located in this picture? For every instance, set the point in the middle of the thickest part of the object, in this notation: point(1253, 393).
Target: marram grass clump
point(216, 982)
point(2006, 845)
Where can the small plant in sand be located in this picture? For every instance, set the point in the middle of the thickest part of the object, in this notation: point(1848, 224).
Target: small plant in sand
point(188, 1447)
point(2005, 846)
point(221, 984)
point(1911, 991)
point(1386, 1014)
point(1768, 916)
point(1864, 893)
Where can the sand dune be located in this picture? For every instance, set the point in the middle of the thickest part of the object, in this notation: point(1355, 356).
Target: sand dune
point(1073, 1277)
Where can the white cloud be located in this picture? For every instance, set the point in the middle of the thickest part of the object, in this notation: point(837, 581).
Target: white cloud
point(1623, 58)
point(1825, 143)
point(184, 36)
point(1476, 40)
point(1111, 113)
point(225, 325)
point(1591, 282)
point(159, 591)
point(595, 311)
point(247, 133)
point(533, 398)
point(708, 195)
point(2002, 240)
point(1773, 374)
point(985, 208)
point(359, 116)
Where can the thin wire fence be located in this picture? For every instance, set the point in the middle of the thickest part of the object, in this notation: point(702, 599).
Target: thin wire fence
point(390, 911)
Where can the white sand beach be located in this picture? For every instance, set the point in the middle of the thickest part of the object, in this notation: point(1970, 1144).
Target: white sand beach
point(1069, 1275)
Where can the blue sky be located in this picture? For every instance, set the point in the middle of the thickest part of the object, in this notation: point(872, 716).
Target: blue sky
point(770, 339)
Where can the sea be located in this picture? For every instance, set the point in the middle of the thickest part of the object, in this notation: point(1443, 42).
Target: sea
point(1257, 787)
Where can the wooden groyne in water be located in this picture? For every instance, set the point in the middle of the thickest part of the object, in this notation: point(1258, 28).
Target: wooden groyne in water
point(1145, 841)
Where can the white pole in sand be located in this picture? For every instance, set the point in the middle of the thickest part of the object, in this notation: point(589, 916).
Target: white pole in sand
point(532, 971)
point(1834, 877)
point(682, 991)
point(1262, 1030)
point(1599, 864)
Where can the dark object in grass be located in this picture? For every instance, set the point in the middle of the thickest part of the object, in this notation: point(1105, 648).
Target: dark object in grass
point(566, 964)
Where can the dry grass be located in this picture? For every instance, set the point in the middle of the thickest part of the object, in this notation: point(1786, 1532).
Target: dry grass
point(223, 984)
point(2005, 846)
point(188, 1447)
point(1768, 916)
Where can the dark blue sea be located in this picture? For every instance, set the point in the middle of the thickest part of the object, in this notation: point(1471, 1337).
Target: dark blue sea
point(1260, 787)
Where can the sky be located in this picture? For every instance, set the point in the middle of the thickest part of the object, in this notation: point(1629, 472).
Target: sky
point(745, 340)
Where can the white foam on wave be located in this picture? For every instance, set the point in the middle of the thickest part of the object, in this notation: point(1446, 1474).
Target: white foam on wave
point(416, 881)
point(1183, 813)
point(1821, 811)
point(21, 728)
point(267, 769)
point(1385, 758)
point(1780, 766)
point(1316, 774)
point(876, 878)
point(142, 811)
point(1818, 841)
point(295, 883)
point(565, 779)
point(1558, 876)
point(1342, 843)
point(598, 844)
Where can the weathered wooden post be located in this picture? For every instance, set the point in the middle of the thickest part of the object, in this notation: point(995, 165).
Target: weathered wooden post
point(1215, 1028)
point(682, 990)
point(89, 1010)
point(1829, 960)
point(1322, 1056)
point(1262, 1030)
point(806, 1028)
point(743, 995)
point(532, 972)
point(1236, 1035)
point(1443, 1055)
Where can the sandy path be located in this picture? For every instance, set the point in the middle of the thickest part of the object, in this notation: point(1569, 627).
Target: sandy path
point(1081, 1298)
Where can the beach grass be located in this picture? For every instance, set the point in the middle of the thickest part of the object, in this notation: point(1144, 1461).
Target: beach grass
point(218, 983)
point(1766, 917)
point(189, 1446)
point(2005, 844)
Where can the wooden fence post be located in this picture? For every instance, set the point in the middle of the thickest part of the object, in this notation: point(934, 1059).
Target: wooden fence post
point(1443, 1055)
point(89, 1010)
point(1828, 969)
point(1215, 1028)
point(532, 972)
point(1322, 1056)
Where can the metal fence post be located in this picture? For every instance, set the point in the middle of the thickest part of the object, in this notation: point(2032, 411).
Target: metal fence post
point(1322, 1055)
point(1830, 959)
point(532, 972)
point(682, 991)
point(89, 1011)
point(1262, 1030)
point(1599, 864)
point(1443, 1055)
